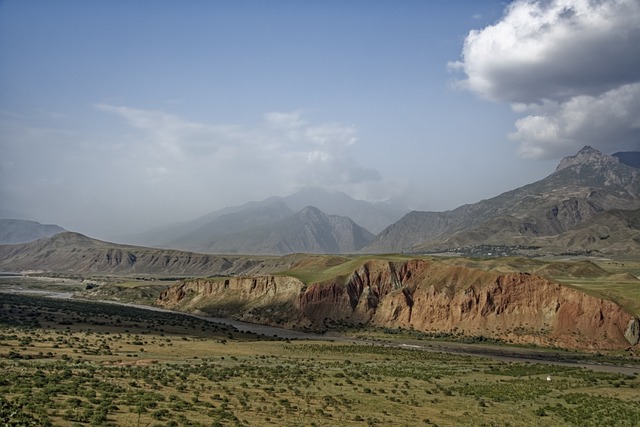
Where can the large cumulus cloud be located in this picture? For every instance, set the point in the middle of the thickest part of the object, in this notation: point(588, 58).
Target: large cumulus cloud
point(571, 67)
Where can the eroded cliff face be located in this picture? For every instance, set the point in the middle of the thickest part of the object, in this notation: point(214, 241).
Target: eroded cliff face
point(423, 295)
point(260, 299)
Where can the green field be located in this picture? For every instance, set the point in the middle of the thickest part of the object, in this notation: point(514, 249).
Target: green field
point(618, 281)
point(321, 268)
point(70, 363)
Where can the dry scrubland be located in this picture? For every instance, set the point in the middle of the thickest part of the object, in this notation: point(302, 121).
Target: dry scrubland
point(65, 362)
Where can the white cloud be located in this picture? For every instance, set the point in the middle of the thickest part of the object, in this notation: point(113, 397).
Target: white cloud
point(175, 135)
point(156, 173)
point(283, 150)
point(582, 120)
point(284, 120)
point(317, 156)
point(331, 134)
point(571, 57)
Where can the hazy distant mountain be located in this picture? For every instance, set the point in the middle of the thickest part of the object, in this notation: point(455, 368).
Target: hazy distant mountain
point(629, 158)
point(308, 231)
point(582, 188)
point(200, 233)
point(11, 214)
point(21, 231)
point(202, 238)
point(372, 216)
point(163, 236)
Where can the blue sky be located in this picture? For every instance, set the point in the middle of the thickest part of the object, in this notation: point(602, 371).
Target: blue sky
point(121, 115)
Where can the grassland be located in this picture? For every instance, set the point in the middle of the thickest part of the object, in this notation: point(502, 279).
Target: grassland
point(321, 268)
point(618, 281)
point(128, 290)
point(70, 363)
point(621, 284)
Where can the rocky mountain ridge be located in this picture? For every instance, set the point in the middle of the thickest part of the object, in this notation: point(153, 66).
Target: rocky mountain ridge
point(307, 231)
point(588, 155)
point(582, 188)
point(201, 232)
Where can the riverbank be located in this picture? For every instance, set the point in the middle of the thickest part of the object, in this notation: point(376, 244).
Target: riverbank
point(502, 353)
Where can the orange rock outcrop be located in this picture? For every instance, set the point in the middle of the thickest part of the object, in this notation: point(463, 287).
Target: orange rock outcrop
point(424, 296)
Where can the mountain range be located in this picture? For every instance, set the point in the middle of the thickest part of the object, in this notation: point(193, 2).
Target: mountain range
point(589, 205)
point(265, 226)
point(310, 230)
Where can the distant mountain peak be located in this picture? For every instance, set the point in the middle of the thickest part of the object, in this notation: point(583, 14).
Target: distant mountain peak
point(13, 231)
point(588, 150)
point(588, 155)
point(310, 210)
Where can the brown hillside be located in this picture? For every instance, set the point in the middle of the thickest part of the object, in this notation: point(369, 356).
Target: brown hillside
point(423, 295)
point(78, 254)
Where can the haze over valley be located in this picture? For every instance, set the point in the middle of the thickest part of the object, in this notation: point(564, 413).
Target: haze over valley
point(410, 106)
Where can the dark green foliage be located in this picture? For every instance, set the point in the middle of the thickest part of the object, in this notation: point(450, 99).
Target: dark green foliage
point(13, 414)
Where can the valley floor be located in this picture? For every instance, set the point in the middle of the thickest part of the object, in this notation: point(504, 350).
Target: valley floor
point(67, 362)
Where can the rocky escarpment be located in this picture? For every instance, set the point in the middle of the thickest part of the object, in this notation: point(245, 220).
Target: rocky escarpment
point(259, 299)
point(422, 295)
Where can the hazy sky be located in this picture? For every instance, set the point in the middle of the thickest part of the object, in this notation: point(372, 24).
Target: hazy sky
point(117, 116)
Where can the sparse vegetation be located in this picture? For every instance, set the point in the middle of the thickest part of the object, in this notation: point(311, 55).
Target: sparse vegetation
point(84, 363)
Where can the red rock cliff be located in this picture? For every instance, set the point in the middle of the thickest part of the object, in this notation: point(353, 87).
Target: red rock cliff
point(424, 295)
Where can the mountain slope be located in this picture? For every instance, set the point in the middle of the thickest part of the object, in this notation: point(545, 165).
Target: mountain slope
point(372, 216)
point(393, 291)
point(235, 222)
point(583, 187)
point(162, 236)
point(629, 158)
point(195, 234)
point(309, 231)
point(21, 231)
point(73, 253)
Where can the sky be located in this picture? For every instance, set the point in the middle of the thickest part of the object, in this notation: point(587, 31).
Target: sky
point(119, 116)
